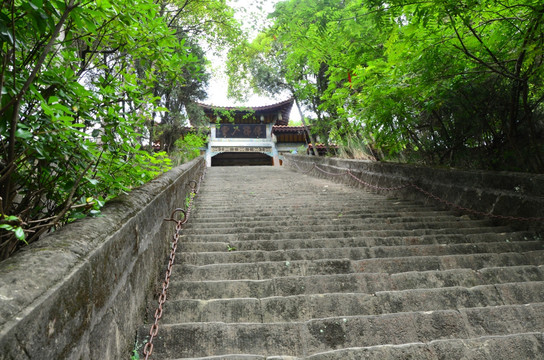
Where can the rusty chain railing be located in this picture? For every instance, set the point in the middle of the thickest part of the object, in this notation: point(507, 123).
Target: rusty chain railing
point(153, 332)
point(417, 188)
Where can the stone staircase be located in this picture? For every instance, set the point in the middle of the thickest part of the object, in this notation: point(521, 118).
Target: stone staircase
point(278, 265)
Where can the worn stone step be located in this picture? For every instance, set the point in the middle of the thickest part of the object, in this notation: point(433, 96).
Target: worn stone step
point(355, 205)
point(266, 270)
point(298, 194)
point(357, 201)
point(369, 283)
point(274, 245)
point(357, 253)
point(311, 217)
point(212, 216)
point(294, 226)
point(277, 265)
point(312, 211)
point(316, 214)
point(310, 220)
point(312, 306)
point(384, 231)
point(321, 335)
point(472, 261)
point(523, 346)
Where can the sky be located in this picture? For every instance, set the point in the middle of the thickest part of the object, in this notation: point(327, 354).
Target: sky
point(248, 12)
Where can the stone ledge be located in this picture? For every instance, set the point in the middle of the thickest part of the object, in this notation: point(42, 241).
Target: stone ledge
point(81, 292)
point(498, 193)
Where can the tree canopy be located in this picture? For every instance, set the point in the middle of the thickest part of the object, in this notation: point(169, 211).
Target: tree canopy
point(82, 85)
point(447, 83)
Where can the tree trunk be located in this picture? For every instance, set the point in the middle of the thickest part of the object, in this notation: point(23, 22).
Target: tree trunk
point(314, 144)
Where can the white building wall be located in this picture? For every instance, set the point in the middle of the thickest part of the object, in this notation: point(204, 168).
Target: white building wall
point(217, 146)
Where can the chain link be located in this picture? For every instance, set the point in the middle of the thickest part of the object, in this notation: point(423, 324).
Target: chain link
point(427, 193)
point(303, 171)
point(329, 173)
point(154, 331)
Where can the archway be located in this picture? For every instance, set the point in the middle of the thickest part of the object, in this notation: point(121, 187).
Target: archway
point(242, 159)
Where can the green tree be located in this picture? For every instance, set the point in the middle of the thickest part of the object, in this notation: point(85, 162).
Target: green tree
point(444, 82)
point(196, 24)
point(79, 84)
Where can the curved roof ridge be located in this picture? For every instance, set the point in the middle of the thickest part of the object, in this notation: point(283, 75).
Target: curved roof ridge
point(244, 107)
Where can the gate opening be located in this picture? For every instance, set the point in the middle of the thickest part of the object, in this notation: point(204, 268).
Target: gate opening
point(242, 159)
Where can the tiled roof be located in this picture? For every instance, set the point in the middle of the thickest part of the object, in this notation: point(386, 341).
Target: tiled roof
point(288, 102)
point(283, 107)
point(285, 129)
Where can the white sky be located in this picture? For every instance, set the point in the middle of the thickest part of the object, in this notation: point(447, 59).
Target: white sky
point(217, 90)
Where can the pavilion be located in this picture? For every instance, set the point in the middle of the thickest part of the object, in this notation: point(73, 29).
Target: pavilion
point(251, 135)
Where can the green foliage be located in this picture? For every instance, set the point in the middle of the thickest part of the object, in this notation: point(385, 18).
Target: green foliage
point(353, 148)
point(8, 223)
point(136, 351)
point(456, 83)
point(188, 146)
point(82, 85)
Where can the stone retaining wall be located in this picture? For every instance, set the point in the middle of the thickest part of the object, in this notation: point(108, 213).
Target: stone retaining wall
point(81, 292)
point(499, 193)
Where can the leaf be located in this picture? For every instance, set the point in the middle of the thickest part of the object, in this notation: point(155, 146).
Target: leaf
point(20, 234)
point(23, 134)
point(77, 216)
point(93, 182)
point(10, 218)
point(6, 33)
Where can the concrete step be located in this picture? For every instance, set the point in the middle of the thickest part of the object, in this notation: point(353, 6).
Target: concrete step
point(302, 339)
point(356, 253)
point(368, 283)
point(268, 270)
point(305, 307)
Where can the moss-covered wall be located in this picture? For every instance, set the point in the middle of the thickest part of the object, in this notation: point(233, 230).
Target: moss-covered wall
point(498, 193)
point(81, 292)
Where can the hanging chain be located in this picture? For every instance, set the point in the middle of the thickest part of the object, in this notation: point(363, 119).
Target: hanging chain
point(195, 187)
point(427, 193)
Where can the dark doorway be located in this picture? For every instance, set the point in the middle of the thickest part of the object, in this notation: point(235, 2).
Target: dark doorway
point(241, 159)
